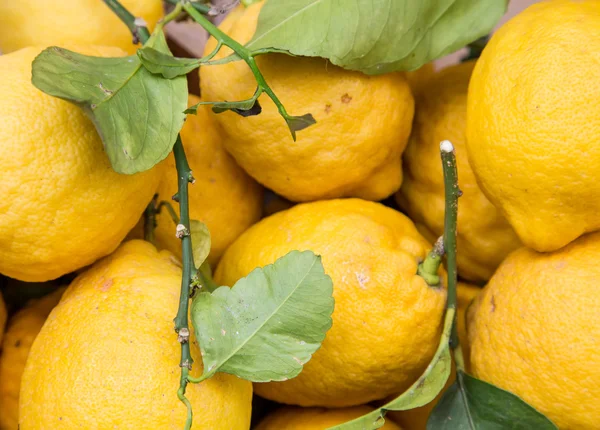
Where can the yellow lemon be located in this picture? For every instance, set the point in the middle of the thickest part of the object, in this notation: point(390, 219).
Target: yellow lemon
point(533, 122)
point(223, 196)
point(418, 78)
point(353, 150)
point(416, 419)
point(62, 205)
point(107, 356)
point(22, 329)
point(85, 22)
point(484, 236)
point(534, 331)
point(294, 418)
point(387, 320)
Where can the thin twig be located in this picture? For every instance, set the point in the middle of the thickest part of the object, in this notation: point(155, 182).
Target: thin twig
point(184, 176)
point(452, 192)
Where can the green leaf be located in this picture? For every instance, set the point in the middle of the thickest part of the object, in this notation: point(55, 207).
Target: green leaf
point(245, 108)
point(471, 404)
point(423, 391)
point(137, 114)
point(166, 65)
point(297, 123)
point(375, 36)
point(269, 324)
point(200, 241)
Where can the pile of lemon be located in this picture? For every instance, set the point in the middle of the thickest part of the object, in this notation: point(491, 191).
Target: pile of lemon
point(525, 122)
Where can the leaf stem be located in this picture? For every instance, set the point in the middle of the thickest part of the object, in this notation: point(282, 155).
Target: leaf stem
point(452, 193)
point(248, 56)
point(165, 204)
point(184, 177)
point(136, 26)
point(200, 7)
point(150, 220)
point(169, 17)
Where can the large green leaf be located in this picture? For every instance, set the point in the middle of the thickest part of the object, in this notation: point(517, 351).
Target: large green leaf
point(471, 404)
point(269, 324)
point(423, 391)
point(374, 36)
point(137, 113)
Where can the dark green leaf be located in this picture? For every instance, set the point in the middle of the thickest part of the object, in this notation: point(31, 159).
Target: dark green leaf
point(423, 391)
point(138, 114)
point(200, 241)
point(269, 324)
point(245, 108)
point(166, 65)
point(377, 36)
point(471, 404)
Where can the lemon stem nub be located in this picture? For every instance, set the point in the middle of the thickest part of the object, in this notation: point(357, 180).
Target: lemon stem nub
point(428, 268)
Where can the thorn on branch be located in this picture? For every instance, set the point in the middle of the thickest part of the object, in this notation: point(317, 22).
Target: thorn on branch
point(191, 178)
point(181, 231)
point(183, 335)
point(175, 197)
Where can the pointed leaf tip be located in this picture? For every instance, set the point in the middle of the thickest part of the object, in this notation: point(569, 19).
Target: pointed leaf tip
point(253, 330)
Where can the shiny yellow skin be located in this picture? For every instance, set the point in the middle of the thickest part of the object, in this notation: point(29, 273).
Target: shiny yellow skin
point(85, 22)
point(21, 331)
point(534, 331)
point(107, 357)
point(534, 121)
point(223, 196)
point(484, 236)
point(61, 205)
point(354, 149)
point(416, 419)
point(377, 345)
point(295, 418)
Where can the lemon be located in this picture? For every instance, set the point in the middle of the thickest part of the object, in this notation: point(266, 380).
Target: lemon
point(534, 331)
point(85, 22)
point(354, 149)
point(533, 119)
point(294, 418)
point(387, 320)
point(62, 206)
point(107, 356)
point(20, 334)
point(484, 237)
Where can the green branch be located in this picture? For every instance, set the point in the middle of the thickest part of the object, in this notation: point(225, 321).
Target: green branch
point(137, 26)
point(452, 193)
point(184, 177)
point(294, 123)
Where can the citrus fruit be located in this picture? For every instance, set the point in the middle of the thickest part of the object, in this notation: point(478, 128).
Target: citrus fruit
point(534, 331)
point(295, 418)
point(107, 356)
point(416, 419)
point(484, 237)
point(62, 205)
point(533, 122)
point(354, 149)
point(387, 320)
point(85, 22)
point(223, 196)
point(417, 78)
point(21, 331)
